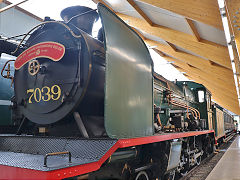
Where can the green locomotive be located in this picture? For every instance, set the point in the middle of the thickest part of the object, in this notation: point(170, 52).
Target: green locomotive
point(184, 104)
point(101, 104)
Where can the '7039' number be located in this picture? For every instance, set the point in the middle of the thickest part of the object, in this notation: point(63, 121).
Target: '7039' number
point(44, 94)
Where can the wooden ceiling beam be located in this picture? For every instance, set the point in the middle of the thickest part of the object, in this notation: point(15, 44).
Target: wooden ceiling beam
point(159, 52)
point(219, 98)
point(205, 11)
point(215, 91)
point(193, 29)
point(212, 88)
point(195, 77)
point(196, 71)
point(213, 84)
point(228, 85)
point(140, 34)
point(216, 88)
point(172, 46)
point(212, 51)
point(135, 6)
point(12, 5)
point(202, 64)
point(233, 107)
point(216, 65)
point(209, 85)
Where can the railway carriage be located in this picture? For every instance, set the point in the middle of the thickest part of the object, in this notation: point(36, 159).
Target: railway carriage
point(229, 124)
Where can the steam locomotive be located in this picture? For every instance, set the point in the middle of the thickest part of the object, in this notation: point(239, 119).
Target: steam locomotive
point(95, 108)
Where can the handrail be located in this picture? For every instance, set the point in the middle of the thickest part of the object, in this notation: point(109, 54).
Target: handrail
point(57, 153)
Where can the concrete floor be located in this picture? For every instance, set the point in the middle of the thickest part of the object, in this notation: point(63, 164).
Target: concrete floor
point(228, 168)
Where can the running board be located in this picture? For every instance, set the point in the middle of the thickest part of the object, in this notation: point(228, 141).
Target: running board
point(47, 154)
point(28, 157)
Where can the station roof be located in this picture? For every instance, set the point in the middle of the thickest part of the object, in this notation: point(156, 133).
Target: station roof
point(190, 35)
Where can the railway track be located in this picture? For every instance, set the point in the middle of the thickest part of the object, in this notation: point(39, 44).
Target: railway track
point(202, 171)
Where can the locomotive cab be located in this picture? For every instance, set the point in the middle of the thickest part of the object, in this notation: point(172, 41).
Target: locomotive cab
point(203, 103)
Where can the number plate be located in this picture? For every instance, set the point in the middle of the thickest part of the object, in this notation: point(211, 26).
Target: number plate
point(44, 94)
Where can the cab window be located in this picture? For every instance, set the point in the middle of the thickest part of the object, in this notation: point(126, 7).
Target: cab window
point(201, 96)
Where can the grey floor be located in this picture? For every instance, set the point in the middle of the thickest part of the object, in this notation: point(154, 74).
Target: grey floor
point(228, 168)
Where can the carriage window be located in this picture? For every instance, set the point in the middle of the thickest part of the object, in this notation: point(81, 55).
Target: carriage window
point(201, 96)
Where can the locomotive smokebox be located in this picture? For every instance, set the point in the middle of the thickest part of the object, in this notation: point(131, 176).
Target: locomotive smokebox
point(53, 76)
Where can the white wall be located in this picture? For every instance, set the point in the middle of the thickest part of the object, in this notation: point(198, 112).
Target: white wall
point(14, 22)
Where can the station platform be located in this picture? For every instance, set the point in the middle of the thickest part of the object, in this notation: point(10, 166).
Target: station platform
point(228, 168)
